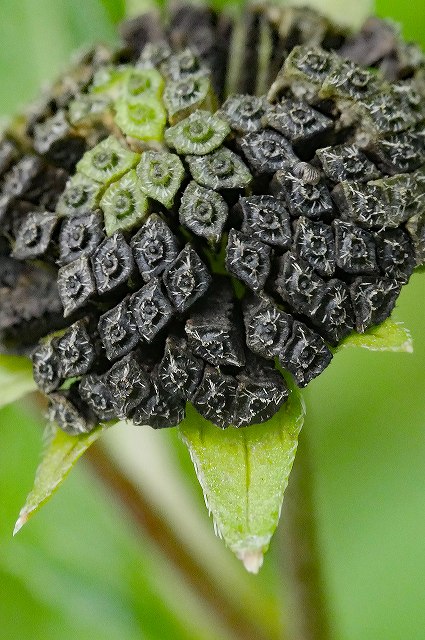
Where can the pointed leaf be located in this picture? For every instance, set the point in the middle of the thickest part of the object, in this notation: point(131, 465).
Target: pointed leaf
point(244, 473)
point(16, 378)
point(388, 336)
point(60, 454)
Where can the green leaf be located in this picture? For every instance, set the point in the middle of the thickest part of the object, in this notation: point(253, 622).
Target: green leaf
point(350, 14)
point(16, 378)
point(388, 336)
point(244, 473)
point(60, 454)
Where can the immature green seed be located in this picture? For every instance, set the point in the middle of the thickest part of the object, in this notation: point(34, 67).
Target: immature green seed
point(161, 175)
point(144, 119)
point(109, 80)
point(80, 196)
point(107, 161)
point(198, 134)
point(221, 169)
point(182, 97)
point(124, 204)
point(143, 82)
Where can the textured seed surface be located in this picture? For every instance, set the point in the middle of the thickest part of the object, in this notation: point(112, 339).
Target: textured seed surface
point(174, 217)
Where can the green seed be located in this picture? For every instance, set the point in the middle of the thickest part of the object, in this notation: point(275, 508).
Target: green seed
point(182, 97)
point(81, 195)
point(161, 175)
point(107, 161)
point(124, 204)
point(198, 134)
point(109, 80)
point(144, 120)
point(143, 82)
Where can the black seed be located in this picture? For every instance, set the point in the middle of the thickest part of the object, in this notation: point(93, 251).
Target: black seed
point(75, 284)
point(267, 327)
point(80, 235)
point(346, 162)
point(186, 279)
point(153, 54)
point(297, 284)
point(97, 394)
point(362, 204)
point(128, 383)
point(154, 247)
point(314, 242)
point(34, 235)
point(75, 351)
point(54, 139)
point(150, 309)
point(334, 315)
point(248, 259)
point(203, 211)
point(266, 218)
point(349, 80)
point(298, 122)
point(311, 64)
point(303, 198)
point(221, 169)
point(267, 151)
point(66, 412)
point(160, 409)
point(260, 394)
point(183, 65)
point(416, 229)
point(113, 264)
point(244, 113)
point(118, 331)
point(179, 371)
point(355, 249)
point(387, 113)
point(399, 153)
point(305, 355)
point(215, 397)
point(373, 300)
point(81, 195)
point(396, 254)
point(23, 176)
point(213, 333)
point(46, 367)
point(8, 154)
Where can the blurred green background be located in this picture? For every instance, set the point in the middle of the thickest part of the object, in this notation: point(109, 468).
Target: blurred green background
point(81, 569)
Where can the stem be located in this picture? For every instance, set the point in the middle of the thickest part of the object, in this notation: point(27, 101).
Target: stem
point(152, 525)
point(308, 615)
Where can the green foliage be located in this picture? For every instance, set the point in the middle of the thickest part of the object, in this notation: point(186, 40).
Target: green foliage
point(61, 452)
point(388, 336)
point(243, 474)
point(16, 378)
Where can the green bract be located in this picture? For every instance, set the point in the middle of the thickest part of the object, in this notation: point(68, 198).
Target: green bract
point(107, 161)
point(198, 134)
point(124, 204)
point(144, 120)
point(161, 175)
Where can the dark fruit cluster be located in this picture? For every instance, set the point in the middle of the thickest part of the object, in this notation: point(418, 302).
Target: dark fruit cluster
point(182, 224)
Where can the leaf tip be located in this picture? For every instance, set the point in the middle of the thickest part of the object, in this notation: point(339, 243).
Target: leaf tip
point(252, 560)
point(23, 519)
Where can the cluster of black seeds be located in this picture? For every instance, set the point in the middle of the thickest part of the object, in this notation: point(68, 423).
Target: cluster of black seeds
point(179, 223)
